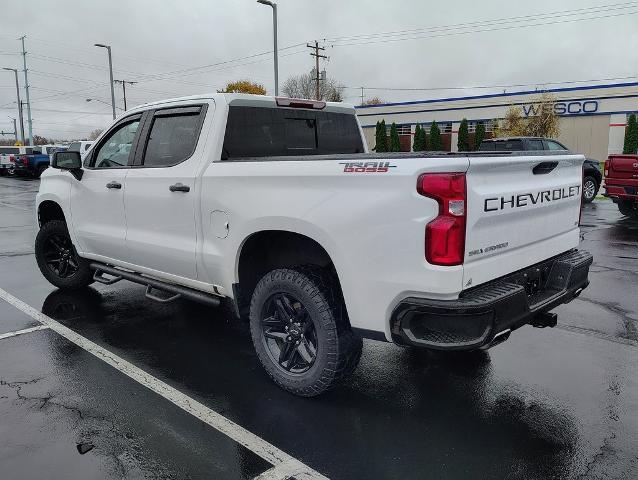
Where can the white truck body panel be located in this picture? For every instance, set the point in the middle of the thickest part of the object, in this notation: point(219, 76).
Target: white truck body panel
point(371, 225)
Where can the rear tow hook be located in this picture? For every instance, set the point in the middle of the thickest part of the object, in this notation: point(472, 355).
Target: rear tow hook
point(546, 319)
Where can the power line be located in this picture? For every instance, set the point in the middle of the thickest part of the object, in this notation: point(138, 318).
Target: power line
point(554, 14)
point(502, 28)
point(511, 85)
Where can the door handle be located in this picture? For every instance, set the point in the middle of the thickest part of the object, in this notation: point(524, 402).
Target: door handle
point(116, 185)
point(179, 187)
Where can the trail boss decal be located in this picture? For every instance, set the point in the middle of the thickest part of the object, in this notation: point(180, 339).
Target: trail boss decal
point(525, 199)
point(366, 167)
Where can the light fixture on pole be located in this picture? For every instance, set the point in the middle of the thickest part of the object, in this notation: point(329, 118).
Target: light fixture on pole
point(15, 71)
point(108, 48)
point(274, 32)
point(101, 101)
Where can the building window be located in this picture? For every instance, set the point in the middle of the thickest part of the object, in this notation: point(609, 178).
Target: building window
point(445, 127)
point(472, 125)
point(401, 129)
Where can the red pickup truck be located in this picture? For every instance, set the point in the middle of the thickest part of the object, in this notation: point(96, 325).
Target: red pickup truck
point(621, 183)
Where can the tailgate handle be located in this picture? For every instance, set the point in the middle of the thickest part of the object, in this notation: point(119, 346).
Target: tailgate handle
point(544, 167)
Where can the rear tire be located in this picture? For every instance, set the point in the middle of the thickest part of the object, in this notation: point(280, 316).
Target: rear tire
point(58, 259)
point(628, 208)
point(300, 331)
point(590, 189)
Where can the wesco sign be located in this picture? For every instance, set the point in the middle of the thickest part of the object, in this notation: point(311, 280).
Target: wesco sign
point(564, 108)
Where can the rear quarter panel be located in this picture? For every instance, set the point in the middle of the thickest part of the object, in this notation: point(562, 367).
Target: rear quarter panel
point(371, 224)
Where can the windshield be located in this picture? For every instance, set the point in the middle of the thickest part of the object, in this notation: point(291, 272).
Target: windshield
point(74, 147)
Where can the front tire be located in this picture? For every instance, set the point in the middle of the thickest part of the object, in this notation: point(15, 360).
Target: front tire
point(300, 331)
point(58, 259)
point(590, 188)
point(40, 171)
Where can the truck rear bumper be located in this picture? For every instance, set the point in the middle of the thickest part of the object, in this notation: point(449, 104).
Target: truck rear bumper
point(626, 189)
point(483, 315)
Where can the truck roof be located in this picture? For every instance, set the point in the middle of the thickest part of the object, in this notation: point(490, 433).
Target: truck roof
point(243, 99)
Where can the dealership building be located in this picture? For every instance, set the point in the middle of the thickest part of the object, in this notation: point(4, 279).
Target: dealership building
point(592, 118)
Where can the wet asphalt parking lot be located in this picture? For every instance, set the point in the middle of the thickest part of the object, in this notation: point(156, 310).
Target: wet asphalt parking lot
point(123, 387)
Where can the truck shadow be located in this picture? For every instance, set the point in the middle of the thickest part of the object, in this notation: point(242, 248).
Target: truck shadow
point(404, 414)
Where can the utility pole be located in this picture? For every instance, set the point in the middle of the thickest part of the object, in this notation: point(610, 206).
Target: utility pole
point(26, 91)
point(124, 82)
point(317, 56)
point(15, 72)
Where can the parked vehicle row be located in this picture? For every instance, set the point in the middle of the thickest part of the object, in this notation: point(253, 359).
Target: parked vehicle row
point(32, 161)
point(274, 206)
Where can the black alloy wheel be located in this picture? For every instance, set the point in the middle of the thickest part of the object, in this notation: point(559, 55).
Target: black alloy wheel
point(58, 259)
point(289, 334)
point(300, 330)
point(60, 256)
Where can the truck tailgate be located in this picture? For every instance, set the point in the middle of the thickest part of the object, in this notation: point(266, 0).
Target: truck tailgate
point(623, 166)
point(520, 210)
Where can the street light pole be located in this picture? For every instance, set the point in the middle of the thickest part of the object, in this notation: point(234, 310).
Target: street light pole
point(108, 48)
point(274, 31)
point(15, 71)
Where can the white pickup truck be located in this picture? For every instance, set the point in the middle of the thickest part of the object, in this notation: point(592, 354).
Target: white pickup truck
point(274, 206)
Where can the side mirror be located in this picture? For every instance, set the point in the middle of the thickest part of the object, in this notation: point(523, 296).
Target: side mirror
point(71, 161)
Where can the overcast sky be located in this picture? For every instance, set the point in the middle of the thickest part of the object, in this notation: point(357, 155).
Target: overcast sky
point(440, 45)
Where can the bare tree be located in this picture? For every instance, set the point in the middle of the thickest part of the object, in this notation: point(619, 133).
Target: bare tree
point(373, 101)
point(544, 122)
point(541, 120)
point(304, 86)
point(95, 133)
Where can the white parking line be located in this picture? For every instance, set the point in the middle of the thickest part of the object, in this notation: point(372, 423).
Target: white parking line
point(20, 332)
point(283, 463)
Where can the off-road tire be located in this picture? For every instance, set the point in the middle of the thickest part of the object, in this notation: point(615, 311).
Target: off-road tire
point(588, 198)
point(628, 208)
point(80, 278)
point(40, 171)
point(338, 348)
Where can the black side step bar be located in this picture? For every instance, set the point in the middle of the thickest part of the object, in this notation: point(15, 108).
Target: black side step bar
point(152, 284)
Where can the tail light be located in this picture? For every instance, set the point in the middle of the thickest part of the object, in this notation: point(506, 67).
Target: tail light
point(445, 235)
point(300, 103)
point(607, 165)
point(12, 159)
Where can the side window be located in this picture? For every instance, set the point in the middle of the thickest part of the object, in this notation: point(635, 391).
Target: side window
point(550, 145)
point(535, 144)
point(173, 137)
point(114, 151)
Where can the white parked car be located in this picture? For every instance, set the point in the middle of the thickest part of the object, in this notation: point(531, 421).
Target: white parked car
point(274, 205)
point(82, 147)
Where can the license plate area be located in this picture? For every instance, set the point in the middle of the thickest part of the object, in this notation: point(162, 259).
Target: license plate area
point(536, 282)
